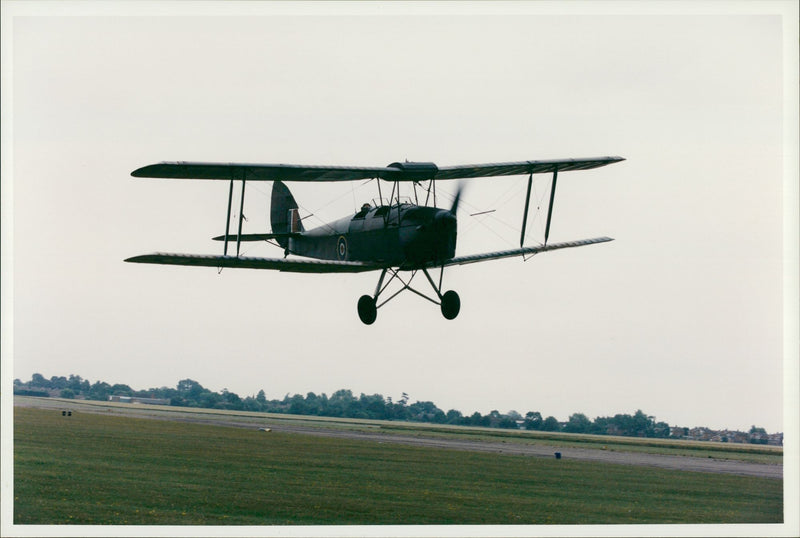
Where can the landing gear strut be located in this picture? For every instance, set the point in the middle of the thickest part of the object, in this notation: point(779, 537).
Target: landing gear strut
point(449, 302)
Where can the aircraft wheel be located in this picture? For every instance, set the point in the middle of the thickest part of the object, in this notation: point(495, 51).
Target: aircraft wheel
point(451, 305)
point(367, 311)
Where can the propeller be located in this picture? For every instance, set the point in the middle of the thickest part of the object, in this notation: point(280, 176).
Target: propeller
point(445, 218)
point(457, 198)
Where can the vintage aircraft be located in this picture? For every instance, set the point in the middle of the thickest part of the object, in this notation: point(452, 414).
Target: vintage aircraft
point(390, 236)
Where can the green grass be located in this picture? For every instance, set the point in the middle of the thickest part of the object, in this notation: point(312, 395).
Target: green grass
point(101, 469)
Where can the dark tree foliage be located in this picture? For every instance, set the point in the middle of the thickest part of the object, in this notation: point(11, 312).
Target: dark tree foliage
point(578, 423)
point(551, 424)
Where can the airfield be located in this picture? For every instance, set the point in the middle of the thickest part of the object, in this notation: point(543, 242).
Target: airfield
point(689, 482)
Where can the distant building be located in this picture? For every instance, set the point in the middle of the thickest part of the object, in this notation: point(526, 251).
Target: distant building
point(137, 400)
point(775, 439)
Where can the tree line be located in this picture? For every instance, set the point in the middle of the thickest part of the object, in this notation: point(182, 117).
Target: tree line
point(343, 403)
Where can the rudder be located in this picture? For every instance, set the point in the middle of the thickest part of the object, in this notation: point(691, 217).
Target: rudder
point(282, 204)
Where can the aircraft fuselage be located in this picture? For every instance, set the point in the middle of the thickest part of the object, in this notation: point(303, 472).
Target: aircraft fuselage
point(404, 235)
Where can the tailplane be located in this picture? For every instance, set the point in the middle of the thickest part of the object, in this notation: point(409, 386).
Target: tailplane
point(284, 213)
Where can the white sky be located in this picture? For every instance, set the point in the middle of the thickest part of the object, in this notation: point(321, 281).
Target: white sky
point(682, 316)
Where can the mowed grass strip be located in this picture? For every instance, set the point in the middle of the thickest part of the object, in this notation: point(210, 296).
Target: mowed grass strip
point(95, 469)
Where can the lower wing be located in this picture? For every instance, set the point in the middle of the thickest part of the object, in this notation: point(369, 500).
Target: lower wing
point(474, 258)
point(278, 264)
point(332, 266)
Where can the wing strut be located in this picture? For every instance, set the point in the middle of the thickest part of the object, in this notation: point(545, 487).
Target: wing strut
point(550, 209)
point(228, 221)
point(525, 214)
point(241, 216)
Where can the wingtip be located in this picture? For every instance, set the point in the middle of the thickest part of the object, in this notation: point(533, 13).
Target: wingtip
point(141, 172)
point(156, 170)
point(144, 258)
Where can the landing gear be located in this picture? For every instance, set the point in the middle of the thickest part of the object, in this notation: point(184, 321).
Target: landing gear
point(367, 311)
point(449, 303)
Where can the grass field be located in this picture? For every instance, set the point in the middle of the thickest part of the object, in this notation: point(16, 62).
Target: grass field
point(107, 469)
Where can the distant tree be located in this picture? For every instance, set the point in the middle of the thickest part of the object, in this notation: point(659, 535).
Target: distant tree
point(551, 424)
point(758, 436)
point(533, 420)
point(494, 417)
point(67, 393)
point(209, 400)
point(121, 389)
point(189, 388)
point(58, 382)
point(262, 397)
point(476, 419)
point(513, 415)
point(78, 384)
point(314, 404)
point(251, 404)
point(662, 430)
point(99, 391)
point(38, 380)
point(454, 416)
point(297, 405)
point(426, 412)
point(578, 423)
point(398, 410)
point(231, 400)
point(643, 425)
point(341, 403)
point(507, 423)
point(374, 406)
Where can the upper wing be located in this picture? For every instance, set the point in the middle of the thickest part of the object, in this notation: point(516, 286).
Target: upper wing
point(522, 167)
point(461, 260)
point(407, 171)
point(278, 264)
point(259, 172)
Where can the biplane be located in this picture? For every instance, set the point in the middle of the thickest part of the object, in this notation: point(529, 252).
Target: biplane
point(392, 236)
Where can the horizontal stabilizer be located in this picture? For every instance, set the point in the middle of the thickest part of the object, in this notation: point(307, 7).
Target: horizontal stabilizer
point(254, 237)
point(462, 260)
point(242, 262)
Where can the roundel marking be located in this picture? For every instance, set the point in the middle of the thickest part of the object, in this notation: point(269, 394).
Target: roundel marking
point(341, 248)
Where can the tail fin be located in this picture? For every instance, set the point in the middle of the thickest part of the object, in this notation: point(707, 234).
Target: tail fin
point(284, 217)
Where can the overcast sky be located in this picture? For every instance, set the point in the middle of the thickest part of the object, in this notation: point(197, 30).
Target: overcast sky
point(682, 316)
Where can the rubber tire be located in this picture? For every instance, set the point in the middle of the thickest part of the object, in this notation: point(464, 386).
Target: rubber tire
point(451, 305)
point(367, 311)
